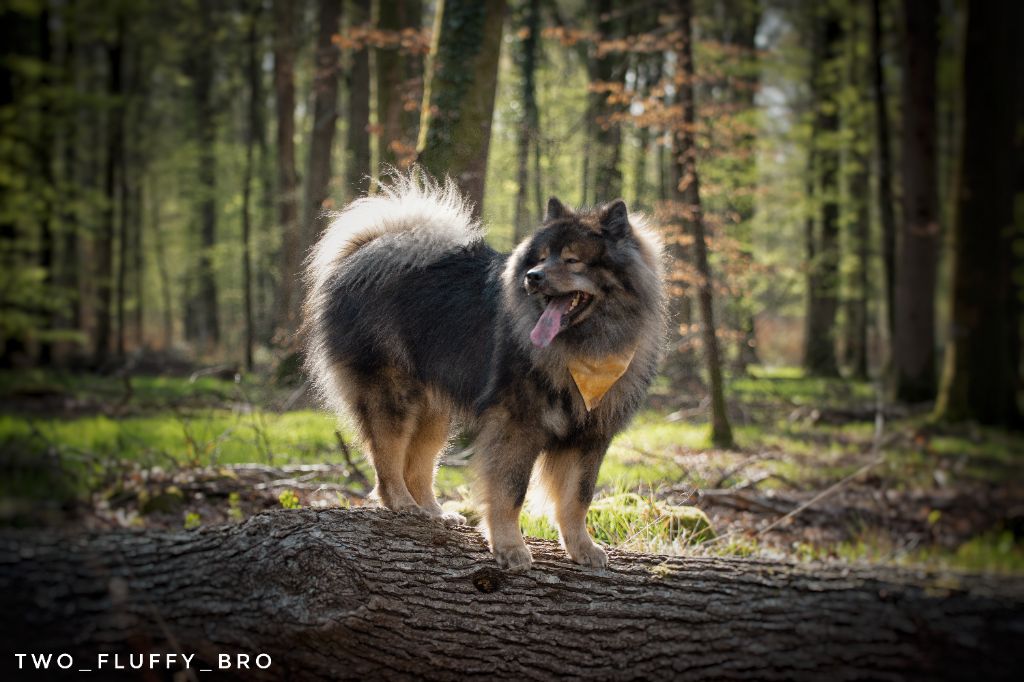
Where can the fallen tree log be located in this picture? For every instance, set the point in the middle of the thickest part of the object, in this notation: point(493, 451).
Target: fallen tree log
point(370, 594)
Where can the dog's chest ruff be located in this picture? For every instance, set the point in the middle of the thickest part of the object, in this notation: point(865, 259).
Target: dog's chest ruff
point(595, 376)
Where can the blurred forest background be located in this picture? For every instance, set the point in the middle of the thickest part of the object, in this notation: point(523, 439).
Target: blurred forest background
point(840, 185)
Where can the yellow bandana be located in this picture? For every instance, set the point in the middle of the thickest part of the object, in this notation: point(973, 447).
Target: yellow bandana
point(594, 377)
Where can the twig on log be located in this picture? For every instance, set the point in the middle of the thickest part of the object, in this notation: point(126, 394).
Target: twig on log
point(357, 472)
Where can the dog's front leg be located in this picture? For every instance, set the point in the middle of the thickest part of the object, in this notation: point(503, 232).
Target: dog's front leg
point(505, 457)
point(570, 477)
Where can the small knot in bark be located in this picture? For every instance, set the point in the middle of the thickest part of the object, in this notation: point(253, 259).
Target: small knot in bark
point(487, 580)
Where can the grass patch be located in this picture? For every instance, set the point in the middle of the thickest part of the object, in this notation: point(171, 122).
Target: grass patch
point(634, 522)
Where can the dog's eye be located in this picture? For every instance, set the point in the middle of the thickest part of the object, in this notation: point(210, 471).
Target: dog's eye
point(570, 261)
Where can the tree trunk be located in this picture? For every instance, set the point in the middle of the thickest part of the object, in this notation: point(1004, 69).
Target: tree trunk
point(70, 278)
point(606, 144)
point(370, 594)
point(105, 237)
point(858, 323)
point(982, 365)
point(325, 118)
point(823, 294)
point(252, 128)
point(458, 101)
point(914, 338)
point(287, 180)
point(160, 254)
point(886, 205)
point(358, 168)
point(527, 132)
point(44, 159)
point(856, 118)
point(686, 158)
point(202, 71)
point(399, 80)
point(138, 258)
point(124, 206)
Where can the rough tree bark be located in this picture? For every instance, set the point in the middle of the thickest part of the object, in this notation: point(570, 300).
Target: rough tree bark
point(689, 183)
point(370, 594)
point(914, 338)
point(981, 374)
point(458, 100)
point(325, 118)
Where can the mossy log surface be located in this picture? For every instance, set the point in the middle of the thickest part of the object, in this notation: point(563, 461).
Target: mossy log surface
point(370, 594)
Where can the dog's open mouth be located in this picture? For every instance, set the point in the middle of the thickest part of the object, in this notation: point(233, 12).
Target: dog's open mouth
point(559, 313)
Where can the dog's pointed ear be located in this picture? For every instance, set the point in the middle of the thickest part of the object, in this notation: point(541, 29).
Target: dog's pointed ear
point(556, 210)
point(615, 220)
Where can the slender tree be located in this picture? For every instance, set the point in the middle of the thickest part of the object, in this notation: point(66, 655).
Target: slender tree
point(914, 332)
point(44, 160)
point(287, 179)
point(458, 100)
point(823, 250)
point(607, 75)
point(685, 151)
point(530, 120)
point(884, 186)
point(255, 75)
point(981, 377)
point(70, 278)
point(104, 244)
point(325, 117)
point(856, 119)
point(399, 78)
point(201, 61)
point(358, 169)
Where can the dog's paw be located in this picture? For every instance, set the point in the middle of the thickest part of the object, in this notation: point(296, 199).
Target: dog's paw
point(589, 555)
point(513, 558)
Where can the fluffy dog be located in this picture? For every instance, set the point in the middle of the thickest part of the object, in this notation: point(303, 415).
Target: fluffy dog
point(413, 323)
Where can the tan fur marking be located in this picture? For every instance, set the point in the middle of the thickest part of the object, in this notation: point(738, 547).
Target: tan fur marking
point(429, 437)
point(560, 475)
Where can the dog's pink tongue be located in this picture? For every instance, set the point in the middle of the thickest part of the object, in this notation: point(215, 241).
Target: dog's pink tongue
point(550, 322)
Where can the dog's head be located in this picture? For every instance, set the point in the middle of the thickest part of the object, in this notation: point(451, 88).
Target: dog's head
point(586, 275)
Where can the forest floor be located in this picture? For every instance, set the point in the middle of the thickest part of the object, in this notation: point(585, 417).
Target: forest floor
point(819, 472)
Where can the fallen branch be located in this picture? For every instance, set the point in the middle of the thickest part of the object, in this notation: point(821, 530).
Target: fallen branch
point(370, 594)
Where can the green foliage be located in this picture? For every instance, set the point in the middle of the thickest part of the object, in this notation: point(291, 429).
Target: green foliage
point(289, 500)
point(192, 520)
point(234, 507)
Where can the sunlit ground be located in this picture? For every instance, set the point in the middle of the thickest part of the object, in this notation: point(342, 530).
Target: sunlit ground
point(84, 447)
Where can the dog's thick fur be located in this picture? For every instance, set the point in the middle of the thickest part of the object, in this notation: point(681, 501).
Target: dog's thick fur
point(414, 323)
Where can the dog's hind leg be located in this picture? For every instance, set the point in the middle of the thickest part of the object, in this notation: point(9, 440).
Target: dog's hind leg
point(387, 416)
point(569, 477)
point(428, 439)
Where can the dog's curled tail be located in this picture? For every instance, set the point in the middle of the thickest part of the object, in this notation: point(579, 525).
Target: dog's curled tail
point(432, 217)
point(422, 219)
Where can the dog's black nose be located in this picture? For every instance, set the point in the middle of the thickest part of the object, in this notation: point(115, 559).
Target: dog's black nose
point(535, 276)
